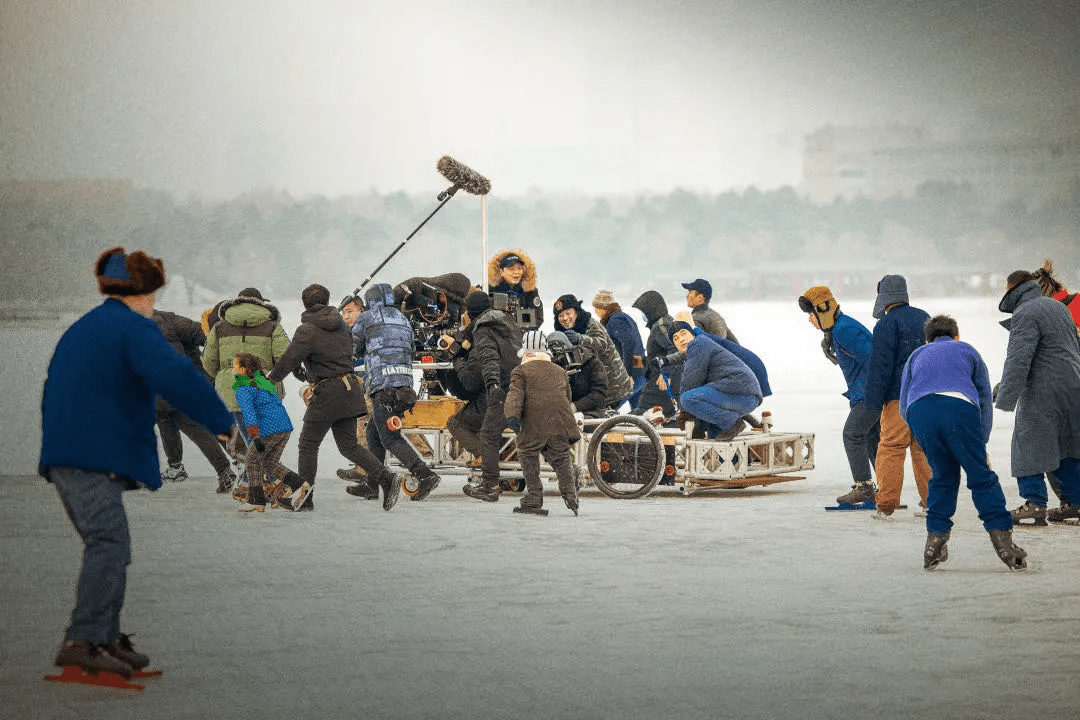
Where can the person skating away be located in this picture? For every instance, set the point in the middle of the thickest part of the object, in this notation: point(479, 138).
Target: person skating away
point(247, 324)
point(322, 350)
point(384, 339)
point(1041, 382)
point(539, 412)
point(847, 343)
point(269, 428)
point(717, 387)
point(898, 332)
point(97, 440)
point(492, 356)
point(187, 337)
point(945, 398)
point(698, 294)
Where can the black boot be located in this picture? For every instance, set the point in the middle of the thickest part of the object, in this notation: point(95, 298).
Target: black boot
point(365, 490)
point(936, 551)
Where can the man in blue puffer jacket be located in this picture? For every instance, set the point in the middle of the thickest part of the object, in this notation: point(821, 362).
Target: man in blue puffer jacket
point(384, 339)
point(717, 387)
point(97, 440)
point(847, 343)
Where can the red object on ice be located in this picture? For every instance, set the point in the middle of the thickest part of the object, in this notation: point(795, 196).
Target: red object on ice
point(101, 678)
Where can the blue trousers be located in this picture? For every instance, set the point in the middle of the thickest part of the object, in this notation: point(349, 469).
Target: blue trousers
point(715, 407)
point(94, 505)
point(949, 431)
point(1033, 489)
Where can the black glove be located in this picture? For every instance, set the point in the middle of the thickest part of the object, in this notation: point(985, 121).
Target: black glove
point(300, 374)
point(514, 424)
point(495, 395)
point(994, 393)
point(827, 348)
point(572, 336)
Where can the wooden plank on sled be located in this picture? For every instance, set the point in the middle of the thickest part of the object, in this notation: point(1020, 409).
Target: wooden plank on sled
point(746, 481)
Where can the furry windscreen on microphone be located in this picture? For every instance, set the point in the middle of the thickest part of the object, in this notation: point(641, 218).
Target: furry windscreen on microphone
point(463, 176)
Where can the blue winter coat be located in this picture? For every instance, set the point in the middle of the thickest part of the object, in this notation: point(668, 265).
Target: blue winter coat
point(384, 338)
point(948, 365)
point(896, 336)
point(752, 361)
point(707, 363)
point(97, 409)
point(624, 333)
point(263, 409)
point(851, 343)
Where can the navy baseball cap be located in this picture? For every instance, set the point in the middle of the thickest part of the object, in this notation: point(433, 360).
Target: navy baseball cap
point(702, 286)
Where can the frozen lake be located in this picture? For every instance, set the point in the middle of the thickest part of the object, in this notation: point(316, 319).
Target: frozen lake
point(748, 604)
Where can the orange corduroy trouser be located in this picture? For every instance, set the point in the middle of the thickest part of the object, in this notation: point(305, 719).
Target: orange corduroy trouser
point(896, 438)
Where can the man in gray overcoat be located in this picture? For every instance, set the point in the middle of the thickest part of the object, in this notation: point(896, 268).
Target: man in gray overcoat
point(1041, 381)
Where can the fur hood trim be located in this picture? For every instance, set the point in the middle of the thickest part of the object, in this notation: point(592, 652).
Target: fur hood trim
point(528, 280)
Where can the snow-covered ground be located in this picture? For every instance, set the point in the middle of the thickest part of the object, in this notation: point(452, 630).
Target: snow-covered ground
point(729, 604)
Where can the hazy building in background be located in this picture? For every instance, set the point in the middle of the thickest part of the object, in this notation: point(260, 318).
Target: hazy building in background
point(884, 162)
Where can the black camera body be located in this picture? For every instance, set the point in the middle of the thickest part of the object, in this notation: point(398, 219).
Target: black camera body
point(510, 304)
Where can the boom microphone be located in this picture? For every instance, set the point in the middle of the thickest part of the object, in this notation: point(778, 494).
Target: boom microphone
point(462, 176)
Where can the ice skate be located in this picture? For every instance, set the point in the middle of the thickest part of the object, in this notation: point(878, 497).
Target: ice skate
point(1030, 511)
point(123, 650)
point(91, 664)
point(861, 492)
point(354, 474)
point(1013, 556)
point(226, 479)
point(579, 477)
point(296, 500)
point(936, 551)
point(174, 473)
point(1062, 514)
point(274, 490)
point(571, 501)
point(483, 491)
point(364, 490)
point(391, 487)
point(427, 484)
point(530, 510)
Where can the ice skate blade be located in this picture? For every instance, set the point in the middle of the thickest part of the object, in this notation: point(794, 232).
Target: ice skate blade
point(531, 511)
point(146, 673)
point(868, 505)
point(102, 678)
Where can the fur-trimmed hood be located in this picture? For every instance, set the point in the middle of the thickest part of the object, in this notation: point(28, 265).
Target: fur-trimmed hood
point(528, 279)
point(248, 319)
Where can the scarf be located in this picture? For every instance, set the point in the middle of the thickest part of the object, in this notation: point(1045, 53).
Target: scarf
point(258, 381)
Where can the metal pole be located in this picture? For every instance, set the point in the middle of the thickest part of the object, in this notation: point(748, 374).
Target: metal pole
point(483, 237)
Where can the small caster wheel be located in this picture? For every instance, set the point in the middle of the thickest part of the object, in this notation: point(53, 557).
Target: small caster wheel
point(410, 485)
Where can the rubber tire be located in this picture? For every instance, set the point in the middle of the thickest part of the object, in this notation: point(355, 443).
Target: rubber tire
point(593, 456)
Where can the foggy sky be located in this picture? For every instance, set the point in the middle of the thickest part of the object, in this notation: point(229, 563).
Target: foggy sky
point(335, 97)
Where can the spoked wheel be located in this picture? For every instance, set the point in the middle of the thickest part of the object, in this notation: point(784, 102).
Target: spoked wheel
point(626, 457)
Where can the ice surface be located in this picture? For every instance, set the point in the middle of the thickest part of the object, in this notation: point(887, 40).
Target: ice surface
point(729, 604)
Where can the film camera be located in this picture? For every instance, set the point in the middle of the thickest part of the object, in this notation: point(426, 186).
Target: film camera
point(565, 354)
point(510, 304)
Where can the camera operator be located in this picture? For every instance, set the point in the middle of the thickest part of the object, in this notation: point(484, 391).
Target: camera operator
point(513, 274)
point(588, 378)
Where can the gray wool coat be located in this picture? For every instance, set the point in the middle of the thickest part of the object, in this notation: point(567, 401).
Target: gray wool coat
point(1041, 381)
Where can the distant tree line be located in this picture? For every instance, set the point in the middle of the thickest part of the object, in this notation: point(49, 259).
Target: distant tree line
point(748, 242)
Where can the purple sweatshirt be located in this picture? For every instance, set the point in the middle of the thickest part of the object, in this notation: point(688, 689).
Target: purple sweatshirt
point(948, 365)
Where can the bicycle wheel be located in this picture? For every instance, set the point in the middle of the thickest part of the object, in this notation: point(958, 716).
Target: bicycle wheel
point(626, 457)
